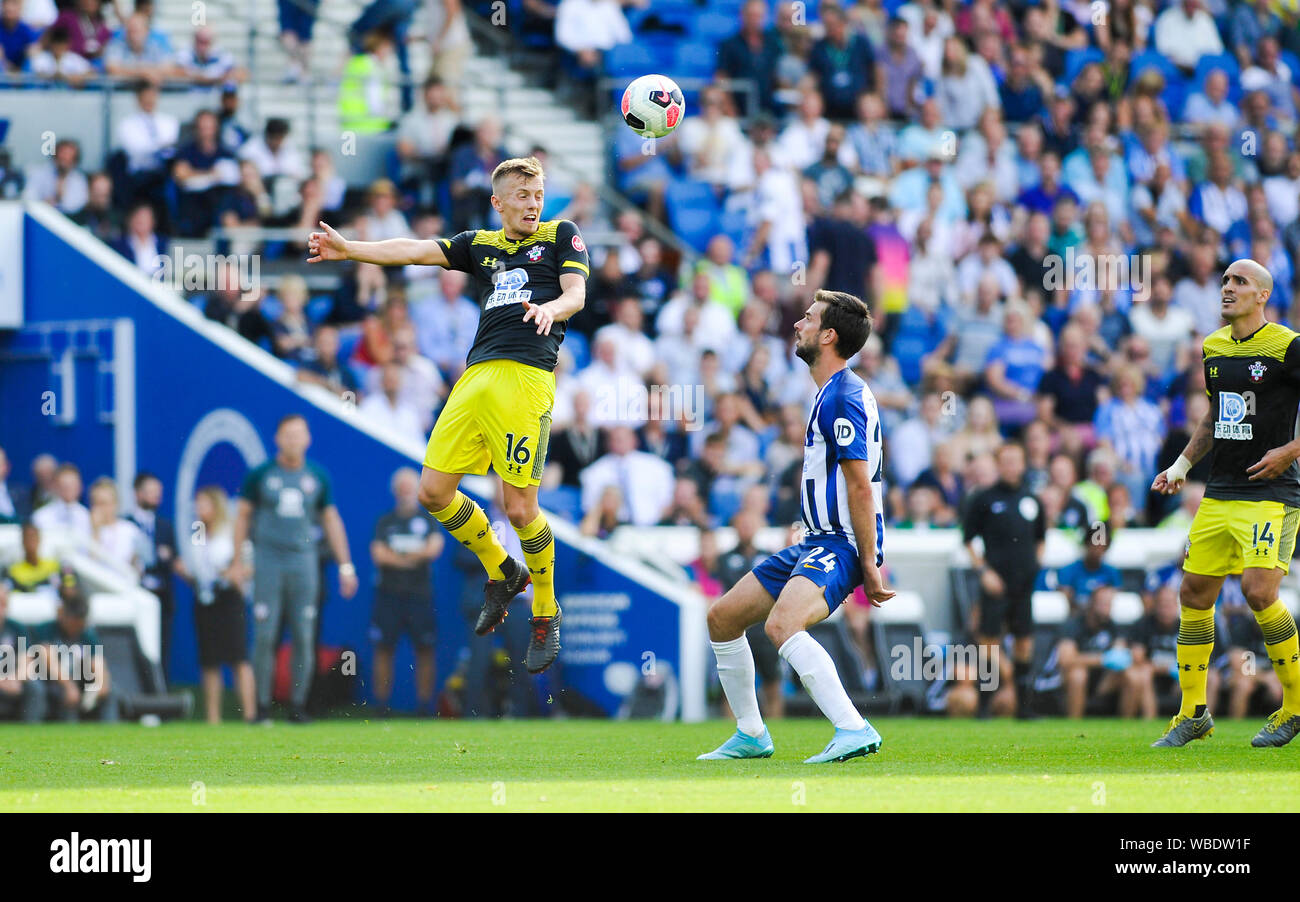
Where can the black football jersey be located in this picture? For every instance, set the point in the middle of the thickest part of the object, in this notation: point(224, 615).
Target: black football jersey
point(1254, 389)
point(503, 274)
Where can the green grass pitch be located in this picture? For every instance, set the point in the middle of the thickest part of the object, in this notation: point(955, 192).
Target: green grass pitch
point(410, 765)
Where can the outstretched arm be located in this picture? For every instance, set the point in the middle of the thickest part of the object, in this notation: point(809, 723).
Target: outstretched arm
point(330, 245)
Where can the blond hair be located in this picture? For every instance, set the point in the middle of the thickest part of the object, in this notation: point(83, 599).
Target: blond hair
point(216, 495)
point(528, 167)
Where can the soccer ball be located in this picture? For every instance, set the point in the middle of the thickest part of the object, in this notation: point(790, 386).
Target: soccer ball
point(653, 105)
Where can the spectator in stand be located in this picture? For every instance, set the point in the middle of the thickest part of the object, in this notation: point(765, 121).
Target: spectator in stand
point(204, 172)
point(274, 154)
point(88, 33)
point(716, 324)
point(204, 64)
point(133, 56)
point(59, 62)
point(17, 38)
point(238, 307)
point(324, 367)
point(1274, 77)
point(779, 236)
point(20, 693)
point(382, 219)
point(368, 98)
point(1211, 104)
point(158, 554)
point(712, 140)
point(1068, 393)
point(606, 515)
point(804, 137)
point(1133, 427)
point(1093, 658)
point(874, 144)
point(218, 607)
point(32, 573)
point(1184, 33)
point(148, 138)
point(1218, 202)
point(422, 387)
point(446, 327)
point(728, 284)
point(645, 481)
point(901, 73)
point(1082, 577)
point(1014, 367)
point(573, 448)
point(912, 445)
point(974, 332)
point(15, 500)
point(585, 30)
point(296, 20)
point(44, 470)
point(471, 176)
point(752, 54)
point(1167, 329)
point(84, 686)
point(633, 351)
point(405, 543)
point(233, 133)
point(64, 513)
point(60, 182)
point(1024, 91)
point(113, 540)
point(843, 63)
point(1198, 292)
point(686, 508)
point(966, 87)
point(292, 329)
point(424, 138)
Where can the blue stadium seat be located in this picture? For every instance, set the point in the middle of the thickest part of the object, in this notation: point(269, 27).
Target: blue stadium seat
point(318, 308)
point(629, 60)
point(1175, 96)
point(693, 212)
point(576, 343)
point(712, 25)
point(695, 59)
point(1075, 60)
point(1208, 63)
point(1294, 62)
point(1150, 59)
point(348, 341)
point(564, 500)
point(735, 224)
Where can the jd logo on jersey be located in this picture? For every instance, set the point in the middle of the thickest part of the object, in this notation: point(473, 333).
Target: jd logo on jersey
point(1232, 410)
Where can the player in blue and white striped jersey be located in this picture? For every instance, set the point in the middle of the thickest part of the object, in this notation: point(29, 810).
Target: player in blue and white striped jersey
point(842, 513)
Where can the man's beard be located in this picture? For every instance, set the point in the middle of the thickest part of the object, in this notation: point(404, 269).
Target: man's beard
point(809, 354)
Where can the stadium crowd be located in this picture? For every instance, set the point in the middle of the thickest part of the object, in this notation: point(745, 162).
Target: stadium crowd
point(1037, 200)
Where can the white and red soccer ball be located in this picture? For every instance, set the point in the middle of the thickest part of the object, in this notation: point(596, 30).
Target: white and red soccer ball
point(653, 106)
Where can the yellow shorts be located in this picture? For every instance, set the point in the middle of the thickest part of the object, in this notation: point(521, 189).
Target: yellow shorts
point(499, 413)
point(1228, 536)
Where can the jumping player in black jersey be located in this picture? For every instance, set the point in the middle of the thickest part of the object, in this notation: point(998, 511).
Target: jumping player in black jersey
point(529, 277)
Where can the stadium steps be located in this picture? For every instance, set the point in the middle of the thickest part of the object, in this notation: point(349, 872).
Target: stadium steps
point(532, 115)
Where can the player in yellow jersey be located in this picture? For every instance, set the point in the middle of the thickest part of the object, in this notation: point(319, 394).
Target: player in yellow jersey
point(1247, 522)
point(529, 277)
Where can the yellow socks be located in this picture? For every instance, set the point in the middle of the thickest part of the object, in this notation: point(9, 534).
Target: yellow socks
point(468, 524)
point(539, 555)
point(1195, 642)
point(1278, 626)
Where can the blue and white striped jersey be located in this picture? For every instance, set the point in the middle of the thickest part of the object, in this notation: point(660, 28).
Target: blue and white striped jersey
point(844, 425)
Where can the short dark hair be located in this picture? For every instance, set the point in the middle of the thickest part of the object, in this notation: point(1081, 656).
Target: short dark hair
point(141, 478)
point(849, 316)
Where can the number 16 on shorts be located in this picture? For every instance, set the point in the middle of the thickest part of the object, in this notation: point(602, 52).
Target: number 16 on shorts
point(518, 454)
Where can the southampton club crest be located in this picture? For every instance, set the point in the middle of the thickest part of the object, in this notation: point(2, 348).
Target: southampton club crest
point(1257, 371)
point(535, 253)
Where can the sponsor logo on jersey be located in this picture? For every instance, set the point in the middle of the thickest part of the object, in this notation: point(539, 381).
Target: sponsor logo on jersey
point(1232, 410)
point(844, 432)
point(509, 289)
point(1257, 371)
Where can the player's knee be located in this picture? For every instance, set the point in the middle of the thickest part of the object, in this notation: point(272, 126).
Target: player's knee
point(1076, 674)
point(521, 511)
point(1258, 596)
point(722, 625)
point(778, 630)
point(435, 498)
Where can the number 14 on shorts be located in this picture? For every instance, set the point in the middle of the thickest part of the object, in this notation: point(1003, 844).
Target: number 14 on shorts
point(1261, 535)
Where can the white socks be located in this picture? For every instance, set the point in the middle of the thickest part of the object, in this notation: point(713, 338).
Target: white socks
point(736, 671)
point(817, 673)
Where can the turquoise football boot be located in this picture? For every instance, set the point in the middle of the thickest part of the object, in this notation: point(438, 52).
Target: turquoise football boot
point(846, 744)
point(742, 745)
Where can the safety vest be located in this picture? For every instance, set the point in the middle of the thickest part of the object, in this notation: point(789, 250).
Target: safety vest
point(364, 96)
